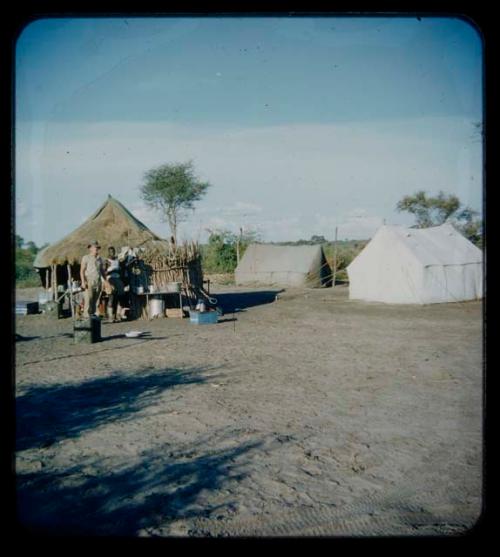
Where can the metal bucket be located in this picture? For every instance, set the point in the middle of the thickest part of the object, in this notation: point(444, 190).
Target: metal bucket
point(156, 307)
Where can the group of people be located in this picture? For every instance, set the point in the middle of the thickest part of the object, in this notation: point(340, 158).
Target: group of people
point(100, 275)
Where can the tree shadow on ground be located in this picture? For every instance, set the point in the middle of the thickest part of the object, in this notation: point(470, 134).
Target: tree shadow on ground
point(21, 338)
point(161, 487)
point(47, 414)
point(135, 341)
point(230, 301)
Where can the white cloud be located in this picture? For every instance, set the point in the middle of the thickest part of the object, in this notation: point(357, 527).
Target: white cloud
point(240, 208)
point(23, 209)
point(292, 181)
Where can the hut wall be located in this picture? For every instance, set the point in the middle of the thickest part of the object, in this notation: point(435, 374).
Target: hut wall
point(45, 275)
point(158, 274)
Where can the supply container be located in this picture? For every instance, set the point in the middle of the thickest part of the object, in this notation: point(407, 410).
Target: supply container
point(26, 308)
point(175, 312)
point(156, 307)
point(87, 330)
point(203, 318)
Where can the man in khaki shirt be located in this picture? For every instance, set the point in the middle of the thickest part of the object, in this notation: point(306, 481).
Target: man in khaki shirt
point(92, 276)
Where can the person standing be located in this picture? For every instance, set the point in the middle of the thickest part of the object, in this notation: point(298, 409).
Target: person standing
point(92, 276)
point(113, 284)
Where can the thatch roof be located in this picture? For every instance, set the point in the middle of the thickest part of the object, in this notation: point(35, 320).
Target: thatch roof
point(112, 225)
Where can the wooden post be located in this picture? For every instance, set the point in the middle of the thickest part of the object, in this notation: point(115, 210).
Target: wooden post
point(70, 292)
point(335, 258)
point(54, 282)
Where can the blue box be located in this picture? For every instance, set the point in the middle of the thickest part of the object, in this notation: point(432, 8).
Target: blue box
point(203, 318)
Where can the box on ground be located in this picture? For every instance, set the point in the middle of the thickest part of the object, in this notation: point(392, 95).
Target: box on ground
point(175, 312)
point(27, 308)
point(203, 318)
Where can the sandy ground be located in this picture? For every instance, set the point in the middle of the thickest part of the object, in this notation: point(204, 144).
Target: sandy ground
point(309, 415)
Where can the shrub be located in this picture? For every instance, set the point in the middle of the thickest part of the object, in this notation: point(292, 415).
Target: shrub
point(26, 275)
point(220, 254)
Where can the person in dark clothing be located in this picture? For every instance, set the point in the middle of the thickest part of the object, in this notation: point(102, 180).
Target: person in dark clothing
point(113, 285)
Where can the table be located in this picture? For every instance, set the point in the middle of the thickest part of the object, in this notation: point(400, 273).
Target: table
point(159, 293)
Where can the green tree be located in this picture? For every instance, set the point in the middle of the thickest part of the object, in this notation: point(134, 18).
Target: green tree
point(433, 211)
point(172, 189)
point(32, 247)
point(19, 241)
point(25, 256)
point(220, 254)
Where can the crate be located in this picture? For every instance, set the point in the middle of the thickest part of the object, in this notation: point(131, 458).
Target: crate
point(203, 318)
point(27, 308)
point(175, 312)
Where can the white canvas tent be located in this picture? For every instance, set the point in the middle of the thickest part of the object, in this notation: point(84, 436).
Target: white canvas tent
point(283, 266)
point(417, 266)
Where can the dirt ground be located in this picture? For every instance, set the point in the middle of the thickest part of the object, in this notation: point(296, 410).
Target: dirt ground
point(304, 415)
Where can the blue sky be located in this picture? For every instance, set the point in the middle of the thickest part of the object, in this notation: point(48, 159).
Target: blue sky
point(300, 124)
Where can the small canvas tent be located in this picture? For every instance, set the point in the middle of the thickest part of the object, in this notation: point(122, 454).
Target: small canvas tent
point(283, 266)
point(417, 266)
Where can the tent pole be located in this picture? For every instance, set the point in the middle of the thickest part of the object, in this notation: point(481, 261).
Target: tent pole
point(70, 293)
point(238, 242)
point(53, 277)
point(335, 258)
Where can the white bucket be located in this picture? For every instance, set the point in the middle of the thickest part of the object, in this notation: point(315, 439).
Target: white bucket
point(156, 307)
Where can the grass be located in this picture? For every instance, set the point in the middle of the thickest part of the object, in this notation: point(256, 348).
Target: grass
point(28, 283)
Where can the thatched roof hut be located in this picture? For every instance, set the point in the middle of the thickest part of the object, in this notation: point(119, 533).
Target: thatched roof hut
point(156, 262)
point(112, 225)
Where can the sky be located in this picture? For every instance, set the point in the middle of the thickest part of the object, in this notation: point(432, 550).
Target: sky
point(300, 124)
